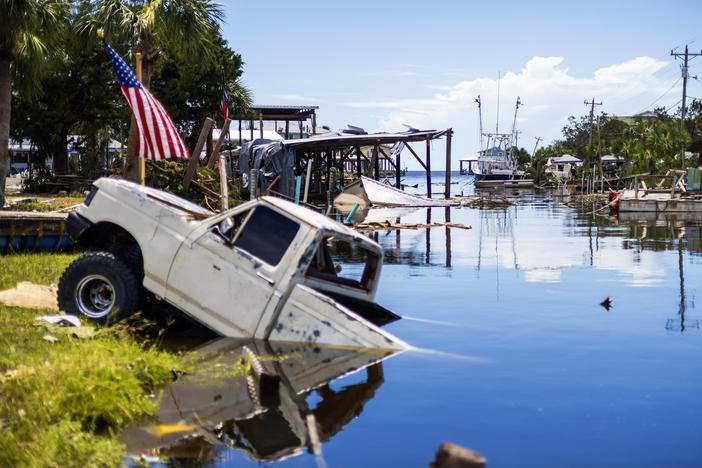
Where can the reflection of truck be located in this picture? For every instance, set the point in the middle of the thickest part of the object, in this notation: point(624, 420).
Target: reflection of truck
point(264, 269)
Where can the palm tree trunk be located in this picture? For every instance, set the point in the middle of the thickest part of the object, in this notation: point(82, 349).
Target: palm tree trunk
point(5, 107)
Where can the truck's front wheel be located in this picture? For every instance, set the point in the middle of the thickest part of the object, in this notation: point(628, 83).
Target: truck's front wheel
point(99, 286)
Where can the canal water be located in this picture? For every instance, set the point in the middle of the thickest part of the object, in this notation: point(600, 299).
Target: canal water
point(514, 355)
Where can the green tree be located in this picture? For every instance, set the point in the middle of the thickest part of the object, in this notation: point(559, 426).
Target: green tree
point(26, 38)
point(78, 99)
point(693, 125)
point(192, 89)
point(654, 144)
point(183, 27)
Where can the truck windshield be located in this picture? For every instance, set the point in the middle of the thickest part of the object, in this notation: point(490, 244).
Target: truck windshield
point(359, 264)
point(266, 234)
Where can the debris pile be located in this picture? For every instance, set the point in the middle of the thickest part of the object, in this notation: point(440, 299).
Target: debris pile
point(387, 226)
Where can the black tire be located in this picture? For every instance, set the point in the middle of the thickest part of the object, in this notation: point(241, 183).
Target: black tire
point(99, 286)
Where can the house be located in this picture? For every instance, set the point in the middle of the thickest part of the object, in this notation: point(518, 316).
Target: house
point(562, 167)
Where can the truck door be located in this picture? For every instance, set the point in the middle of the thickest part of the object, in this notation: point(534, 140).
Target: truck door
point(227, 279)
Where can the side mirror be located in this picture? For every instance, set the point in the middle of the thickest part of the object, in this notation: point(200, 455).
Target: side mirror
point(225, 226)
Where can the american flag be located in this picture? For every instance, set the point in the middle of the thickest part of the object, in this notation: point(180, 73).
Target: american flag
point(157, 137)
point(224, 104)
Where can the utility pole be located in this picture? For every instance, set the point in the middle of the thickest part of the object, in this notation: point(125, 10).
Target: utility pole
point(686, 55)
point(592, 105)
point(538, 139)
point(533, 155)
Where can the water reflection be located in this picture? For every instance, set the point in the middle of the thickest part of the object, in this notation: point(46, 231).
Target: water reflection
point(254, 397)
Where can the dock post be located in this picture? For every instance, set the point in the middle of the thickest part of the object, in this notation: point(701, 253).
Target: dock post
point(260, 123)
point(330, 190)
point(298, 184)
point(359, 164)
point(308, 179)
point(253, 184)
point(447, 192)
point(223, 182)
point(376, 163)
point(428, 168)
point(397, 170)
point(636, 187)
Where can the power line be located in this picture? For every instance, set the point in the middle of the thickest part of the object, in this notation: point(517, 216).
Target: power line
point(661, 96)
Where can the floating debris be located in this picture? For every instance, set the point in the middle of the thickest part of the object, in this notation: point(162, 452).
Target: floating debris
point(387, 226)
point(484, 202)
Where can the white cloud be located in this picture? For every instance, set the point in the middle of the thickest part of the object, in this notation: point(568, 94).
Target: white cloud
point(295, 97)
point(547, 88)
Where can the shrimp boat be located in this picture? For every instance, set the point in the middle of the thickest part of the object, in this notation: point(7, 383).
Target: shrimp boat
point(496, 165)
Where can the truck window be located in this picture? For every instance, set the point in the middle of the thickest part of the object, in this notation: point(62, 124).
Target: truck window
point(360, 265)
point(267, 235)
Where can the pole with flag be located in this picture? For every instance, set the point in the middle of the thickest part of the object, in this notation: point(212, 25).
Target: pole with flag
point(224, 104)
point(157, 136)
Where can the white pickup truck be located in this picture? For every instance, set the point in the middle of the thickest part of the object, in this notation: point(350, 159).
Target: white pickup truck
point(262, 270)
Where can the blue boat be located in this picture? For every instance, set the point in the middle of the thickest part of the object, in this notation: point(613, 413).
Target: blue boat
point(21, 230)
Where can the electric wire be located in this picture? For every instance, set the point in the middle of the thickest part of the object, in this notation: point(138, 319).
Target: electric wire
point(661, 96)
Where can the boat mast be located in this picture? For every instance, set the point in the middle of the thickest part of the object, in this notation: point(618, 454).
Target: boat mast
point(497, 120)
point(513, 136)
point(480, 116)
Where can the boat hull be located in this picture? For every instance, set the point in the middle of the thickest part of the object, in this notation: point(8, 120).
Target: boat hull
point(660, 206)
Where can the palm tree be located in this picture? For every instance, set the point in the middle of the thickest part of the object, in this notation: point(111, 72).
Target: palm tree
point(149, 27)
point(26, 36)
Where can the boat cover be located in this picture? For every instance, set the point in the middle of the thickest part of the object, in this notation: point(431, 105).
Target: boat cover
point(272, 159)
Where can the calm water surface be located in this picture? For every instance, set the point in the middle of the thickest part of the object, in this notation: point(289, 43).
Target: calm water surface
point(515, 357)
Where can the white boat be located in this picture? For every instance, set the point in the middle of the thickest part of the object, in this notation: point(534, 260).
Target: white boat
point(366, 191)
point(495, 165)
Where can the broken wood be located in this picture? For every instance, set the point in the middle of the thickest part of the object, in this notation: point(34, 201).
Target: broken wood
point(270, 186)
point(387, 226)
point(215, 152)
point(223, 182)
point(195, 156)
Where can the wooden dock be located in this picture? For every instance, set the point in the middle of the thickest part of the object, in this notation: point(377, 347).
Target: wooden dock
point(33, 230)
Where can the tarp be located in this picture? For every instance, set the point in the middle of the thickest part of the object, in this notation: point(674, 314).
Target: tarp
point(272, 159)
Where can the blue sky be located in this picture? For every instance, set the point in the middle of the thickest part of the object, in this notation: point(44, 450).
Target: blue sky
point(380, 64)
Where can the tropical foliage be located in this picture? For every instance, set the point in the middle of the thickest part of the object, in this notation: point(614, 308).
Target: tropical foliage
point(80, 95)
point(27, 38)
point(649, 144)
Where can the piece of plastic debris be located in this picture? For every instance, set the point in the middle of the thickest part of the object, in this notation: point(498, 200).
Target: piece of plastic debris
point(65, 320)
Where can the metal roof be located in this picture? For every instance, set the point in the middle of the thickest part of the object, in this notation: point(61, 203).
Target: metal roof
point(345, 141)
point(285, 108)
point(566, 158)
point(277, 113)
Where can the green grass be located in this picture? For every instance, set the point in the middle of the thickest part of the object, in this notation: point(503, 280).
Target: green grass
point(39, 268)
point(43, 203)
point(63, 402)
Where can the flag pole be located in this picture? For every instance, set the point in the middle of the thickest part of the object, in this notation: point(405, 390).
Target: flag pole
point(141, 171)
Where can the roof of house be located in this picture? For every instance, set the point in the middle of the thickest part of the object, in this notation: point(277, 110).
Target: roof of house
point(565, 158)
